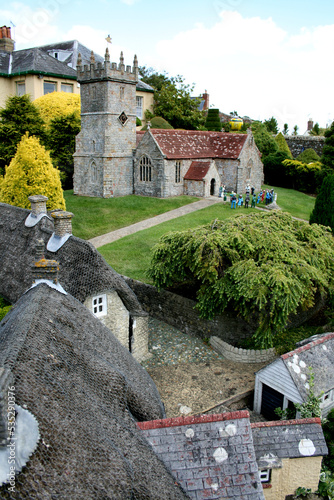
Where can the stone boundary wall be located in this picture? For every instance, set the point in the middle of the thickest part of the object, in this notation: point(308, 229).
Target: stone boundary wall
point(242, 355)
point(179, 312)
point(298, 143)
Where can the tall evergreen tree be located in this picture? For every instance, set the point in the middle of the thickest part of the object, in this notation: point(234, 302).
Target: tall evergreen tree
point(213, 120)
point(18, 117)
point(323, 211)
point(327, 157)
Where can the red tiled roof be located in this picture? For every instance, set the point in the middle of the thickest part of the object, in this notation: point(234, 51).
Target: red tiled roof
point(199, 144)
point(197, 170)
point(308, 346)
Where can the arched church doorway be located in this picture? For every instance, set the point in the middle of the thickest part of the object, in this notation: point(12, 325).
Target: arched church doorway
point(212, 187)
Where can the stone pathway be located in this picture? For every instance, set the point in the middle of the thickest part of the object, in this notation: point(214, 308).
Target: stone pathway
point(99, 241)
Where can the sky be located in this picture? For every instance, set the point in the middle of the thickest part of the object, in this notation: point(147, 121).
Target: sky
point(261, 58)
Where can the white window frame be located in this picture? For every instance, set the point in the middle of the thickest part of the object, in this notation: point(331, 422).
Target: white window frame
point(50, 83)
point(327, 398)
point(99, 305)
point(68, 86)
point(18, 86)
point(139, 107)
point(265, 476)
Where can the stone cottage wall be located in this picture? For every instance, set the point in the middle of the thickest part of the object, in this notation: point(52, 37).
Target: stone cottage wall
point(298, 143)
point(139, 339)
point(251, 165)
point(227, 170)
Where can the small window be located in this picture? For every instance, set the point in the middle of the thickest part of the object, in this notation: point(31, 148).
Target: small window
point(265, 475)
point(139, 107)
point(145, 169)
point(178, 171)
point(66, 87)
point(121, 93)
point(94, 169)
point(49, 87)
point(326, 398)
point(20, 88)
point(100, 305)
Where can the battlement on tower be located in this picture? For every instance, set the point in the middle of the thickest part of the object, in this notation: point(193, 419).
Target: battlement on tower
point(107, 70)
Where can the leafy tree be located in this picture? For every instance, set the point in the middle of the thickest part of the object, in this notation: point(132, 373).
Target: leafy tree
point(61, 143)
point(212, 121)
point(18, 117)
point(174, 103)
point(328, 428)
point(303, 176)
point(153, 78)
point(264, 140)
point(31, 172)
point(274, 169)
point(295, 130)
point(271, 125)
point(308, 156)
point(158, 122)
point(285, 129)
point(327, 157)
point(323, 211)
point(57, 104)
point(282, 144)
point(316, 130)
point(262, 266)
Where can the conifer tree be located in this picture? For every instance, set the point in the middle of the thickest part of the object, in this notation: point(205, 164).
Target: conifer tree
point(31, 172)
point(327, 158)
point(213, 121)
point(18, 117)
point(323, 211)
point(282, 145)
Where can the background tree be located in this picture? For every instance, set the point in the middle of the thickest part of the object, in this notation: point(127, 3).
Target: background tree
point(295, 130)
point(264, 267)
point(327, 157)
point(282, 144)
point(323, 211)
point(18, 117)
point(153, 78)
point(61, 143)
point(31, 172)
point(302, 176)
point(308, 156)
point(274, 169)
point(271, 125)
point(285, 129)
point(264, 139)
point(56, 105)
point(212, 121)
point(158, 122)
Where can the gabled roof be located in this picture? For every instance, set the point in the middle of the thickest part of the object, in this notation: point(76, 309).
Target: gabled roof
point(83, 270)
point(274, 441)
point(68, 52)
point(318, 355)
point(199, 144)
point(212, 456)
point(144, 87)
point(197, 170)
point(86, 392)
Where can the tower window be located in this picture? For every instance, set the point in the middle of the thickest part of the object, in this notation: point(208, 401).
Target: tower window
point(99, 304)
point(178, 171)
point(94, 171)
point(145, 168)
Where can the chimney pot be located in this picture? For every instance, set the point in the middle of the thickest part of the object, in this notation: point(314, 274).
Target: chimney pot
point(38, 204)
point(62, 222)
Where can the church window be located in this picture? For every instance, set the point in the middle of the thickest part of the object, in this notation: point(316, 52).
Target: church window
point(121, 93)
point(139, 107)
point(145, 169)
point(178, 171)
point(99, 304)
point(94, 172)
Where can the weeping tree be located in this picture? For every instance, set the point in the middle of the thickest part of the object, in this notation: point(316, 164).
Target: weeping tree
point(264, 267)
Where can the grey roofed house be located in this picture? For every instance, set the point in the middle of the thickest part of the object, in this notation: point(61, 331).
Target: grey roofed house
point(211, 455)
point(86, 392)
point(83, 273)
point(287, 379)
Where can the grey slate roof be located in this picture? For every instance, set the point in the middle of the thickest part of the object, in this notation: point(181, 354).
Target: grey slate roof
point(83, 271)
point(212, 456)
point(86, 392)
point(274, 441)
point(318, 354)
point(69, 51)
point(145, 87)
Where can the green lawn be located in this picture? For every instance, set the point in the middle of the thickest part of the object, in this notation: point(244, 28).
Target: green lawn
point(96, 216)
point(131, 255)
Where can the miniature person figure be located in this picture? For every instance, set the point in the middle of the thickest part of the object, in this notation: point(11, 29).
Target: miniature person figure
point(263, 194)
point(247, 200)
point(247, 189)
point(267, 197)
point(253, 190)
point(259, 197)
point(240, 201)
point(224, 192)
point(233, 200)
point(220, 191)
point(253, 201)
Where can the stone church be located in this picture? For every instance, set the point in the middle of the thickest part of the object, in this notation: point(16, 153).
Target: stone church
point(112, 159)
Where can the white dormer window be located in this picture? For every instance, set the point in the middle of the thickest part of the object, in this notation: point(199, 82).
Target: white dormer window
point(99, 304)
point(265, 475)
point(327, 398)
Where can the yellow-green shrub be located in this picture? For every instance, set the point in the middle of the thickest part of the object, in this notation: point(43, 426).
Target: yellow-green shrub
point(31, 172)
point(57, 104)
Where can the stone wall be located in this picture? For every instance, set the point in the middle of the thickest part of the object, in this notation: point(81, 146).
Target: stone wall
point(241, 355)
point(180, 313)
point(298, 143)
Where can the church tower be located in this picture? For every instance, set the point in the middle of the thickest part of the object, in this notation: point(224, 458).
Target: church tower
point(103, 161)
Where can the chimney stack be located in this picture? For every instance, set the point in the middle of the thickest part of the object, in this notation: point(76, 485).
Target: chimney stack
point(310, 125)
point(63, 223)
point(38, 209)
point(6, 42)
point(205, 97)
point(44, 269)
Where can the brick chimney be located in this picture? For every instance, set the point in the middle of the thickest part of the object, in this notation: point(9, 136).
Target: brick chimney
point(44, 269)
point(6, 42)
point(205, 97)
point(38, 209)
point(63, 222)
point(310, 125)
